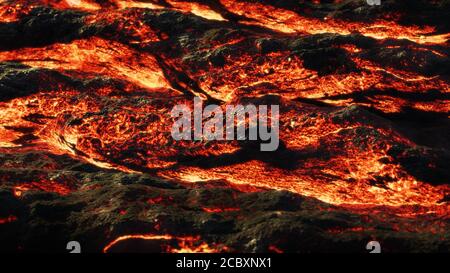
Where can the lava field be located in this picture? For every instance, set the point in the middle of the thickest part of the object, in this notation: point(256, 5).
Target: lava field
point(86, 152)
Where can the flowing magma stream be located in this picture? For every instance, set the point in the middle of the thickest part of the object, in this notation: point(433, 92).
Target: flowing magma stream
point(353, 95)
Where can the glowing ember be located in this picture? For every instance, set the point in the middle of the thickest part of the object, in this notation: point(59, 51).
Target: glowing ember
point(186, 244)
point(218, 210)
point(363, 123)
point(48, 186)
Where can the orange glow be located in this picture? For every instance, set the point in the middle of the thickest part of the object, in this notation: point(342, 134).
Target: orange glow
point(12, 13)
point(192, 7)
point(97, 57)
point(81, 4)
point(124, 123)
point(197, 9)
point(290, 22)
point(218, 210)
point(87, 5)
point(406, 191)
point(136, 236)
point(186, 244)
point(48, 186)
point(123, 4)
point(17, 191)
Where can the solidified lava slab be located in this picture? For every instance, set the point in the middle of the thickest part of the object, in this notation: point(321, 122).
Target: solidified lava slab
point(86, 153)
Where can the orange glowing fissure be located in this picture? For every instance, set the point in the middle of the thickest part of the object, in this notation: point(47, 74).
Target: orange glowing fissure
point(48, 186)
point(217, 210)
point(290, 22)
point(69, 120)
point(185, 244)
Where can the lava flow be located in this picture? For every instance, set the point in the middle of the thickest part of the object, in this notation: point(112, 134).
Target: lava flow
point(186, 244)
point(86, 93)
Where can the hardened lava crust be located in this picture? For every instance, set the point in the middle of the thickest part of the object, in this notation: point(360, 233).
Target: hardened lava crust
point(86, 152)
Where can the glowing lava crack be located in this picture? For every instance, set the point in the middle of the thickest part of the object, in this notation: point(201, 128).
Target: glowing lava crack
point(86, 152)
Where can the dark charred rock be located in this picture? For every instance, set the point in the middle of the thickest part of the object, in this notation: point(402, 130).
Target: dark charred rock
point(327, 61)
point(426, 62)
point(266, 45)
point(174, 22)
point(328, 40)
point(40, 27)
point(17, 80)
point(424, 163)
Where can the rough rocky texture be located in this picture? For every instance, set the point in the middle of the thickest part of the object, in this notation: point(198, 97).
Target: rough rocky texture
point(109, 204)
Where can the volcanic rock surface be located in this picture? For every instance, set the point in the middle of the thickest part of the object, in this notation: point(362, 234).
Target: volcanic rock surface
point(86, 154)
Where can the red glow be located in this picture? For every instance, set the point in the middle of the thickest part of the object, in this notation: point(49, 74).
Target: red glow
point(8, 219)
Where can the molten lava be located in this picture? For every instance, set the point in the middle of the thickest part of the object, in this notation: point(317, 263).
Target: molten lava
point(102, 94)
point(186, 244)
